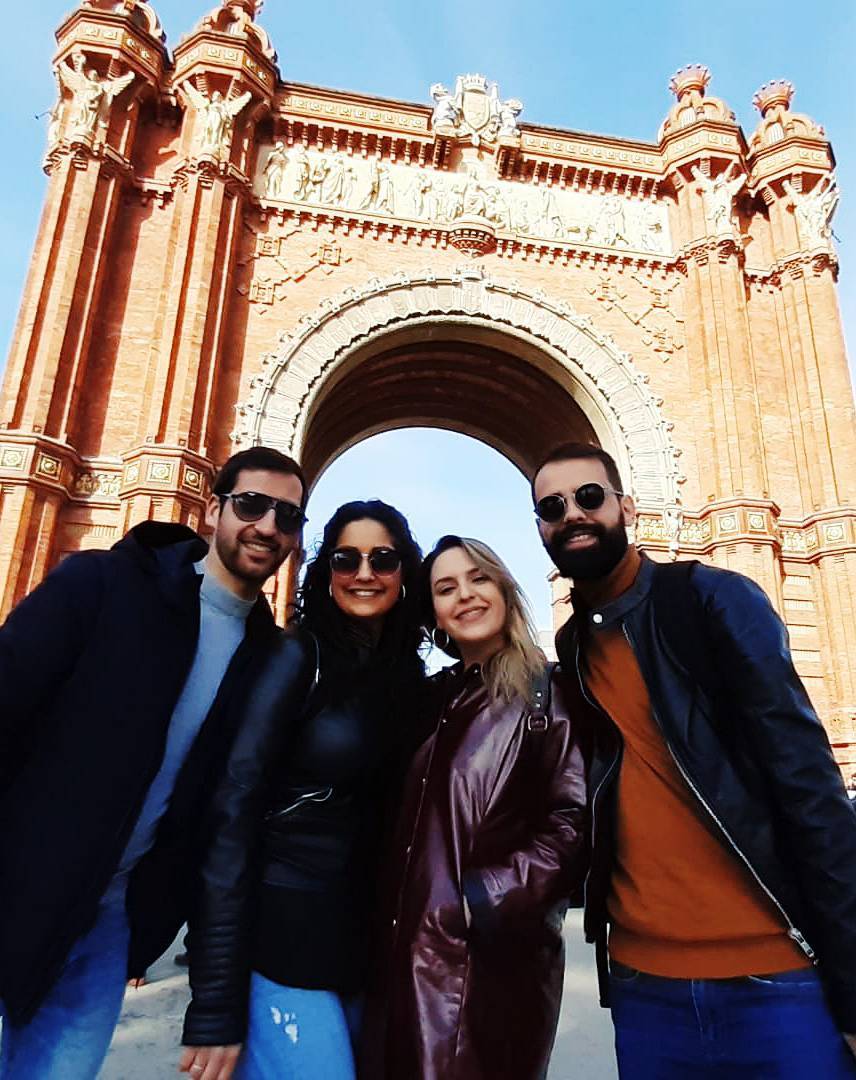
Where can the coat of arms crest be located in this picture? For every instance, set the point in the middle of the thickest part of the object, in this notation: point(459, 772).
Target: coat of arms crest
point(474, 110)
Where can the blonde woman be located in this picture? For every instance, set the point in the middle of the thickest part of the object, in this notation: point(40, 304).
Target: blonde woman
point(489, 845)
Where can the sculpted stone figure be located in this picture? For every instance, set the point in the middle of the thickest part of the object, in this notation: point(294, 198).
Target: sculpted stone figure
point(475, 197)
point(300, 160)
point(612, 227)
point(317, 175)
point(381, 194)
point(508, 113)
point(453, 204)
point(91, 95)
point(814, 211)
point(718, 195)
point(551, 222)
point(340, 180)
point(497, 207)
point(275, 171)
point(218, 116)
point(54, 124)
point(446, 113)
point(424, 198)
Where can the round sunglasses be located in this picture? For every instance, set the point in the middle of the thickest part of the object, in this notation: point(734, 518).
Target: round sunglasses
point(382, 560)
point(551, 508)
point(252, 506)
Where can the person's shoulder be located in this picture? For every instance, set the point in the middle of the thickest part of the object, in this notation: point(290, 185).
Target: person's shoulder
point(716, 583)
point(294, 646)
point(82, 567)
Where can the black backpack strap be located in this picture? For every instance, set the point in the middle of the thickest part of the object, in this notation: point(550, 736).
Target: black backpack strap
point(538, 716)
point(680, 619)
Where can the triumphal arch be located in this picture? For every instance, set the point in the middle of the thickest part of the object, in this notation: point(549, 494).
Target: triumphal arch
point(227, 257)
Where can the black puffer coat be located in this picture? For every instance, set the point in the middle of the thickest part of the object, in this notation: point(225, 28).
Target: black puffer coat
point(91, 666)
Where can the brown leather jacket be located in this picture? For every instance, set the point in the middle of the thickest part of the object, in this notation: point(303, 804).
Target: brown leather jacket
point(492, 811)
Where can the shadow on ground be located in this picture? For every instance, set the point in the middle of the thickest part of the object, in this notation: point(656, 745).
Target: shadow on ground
point(146, 1044)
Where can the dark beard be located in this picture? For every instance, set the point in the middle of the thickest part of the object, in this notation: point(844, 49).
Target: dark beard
point(594, 562)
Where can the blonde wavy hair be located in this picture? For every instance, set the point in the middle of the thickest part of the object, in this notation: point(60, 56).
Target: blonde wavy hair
point(510, 672)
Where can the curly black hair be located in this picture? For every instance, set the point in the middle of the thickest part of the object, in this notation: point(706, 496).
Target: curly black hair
point(316, 611)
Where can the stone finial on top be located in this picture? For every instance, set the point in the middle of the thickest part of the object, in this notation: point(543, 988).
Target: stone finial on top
point(690, 81)
point(775, 94)
point(773, 102)
point(689, 85)
point(237, 18)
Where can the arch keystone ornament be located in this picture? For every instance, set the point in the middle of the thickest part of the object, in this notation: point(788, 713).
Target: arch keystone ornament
point(613, 393)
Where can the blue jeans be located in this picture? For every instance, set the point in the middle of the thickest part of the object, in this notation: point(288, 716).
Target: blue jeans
point(298, 1034)
point(775, 1027)
point(70, 1035)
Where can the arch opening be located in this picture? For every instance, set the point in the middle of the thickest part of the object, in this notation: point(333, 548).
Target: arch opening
point(469, 353)
point(468, 386)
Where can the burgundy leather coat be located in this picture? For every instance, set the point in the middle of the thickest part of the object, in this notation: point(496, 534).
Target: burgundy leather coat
point(492, 811)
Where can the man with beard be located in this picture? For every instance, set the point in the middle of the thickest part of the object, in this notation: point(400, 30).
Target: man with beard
point(722, 887)
point(117, 677)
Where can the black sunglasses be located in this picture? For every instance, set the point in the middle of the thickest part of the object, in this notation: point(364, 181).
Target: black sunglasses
point(587, 497)
point(382, 560)
point(252, 506)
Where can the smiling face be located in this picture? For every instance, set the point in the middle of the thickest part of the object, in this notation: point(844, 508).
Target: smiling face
point(364, 594)
point(244, 554)
point(585, 544)
point(468, 605)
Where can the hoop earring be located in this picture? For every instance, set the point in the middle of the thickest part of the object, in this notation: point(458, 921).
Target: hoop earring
point(403, 592)
point(330, 590)
point(435, 638)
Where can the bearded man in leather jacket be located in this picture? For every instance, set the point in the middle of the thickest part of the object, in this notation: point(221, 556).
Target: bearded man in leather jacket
point(723, 861)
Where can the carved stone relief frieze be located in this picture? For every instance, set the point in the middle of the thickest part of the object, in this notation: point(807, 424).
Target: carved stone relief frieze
point(105, 485)
point(337, 180)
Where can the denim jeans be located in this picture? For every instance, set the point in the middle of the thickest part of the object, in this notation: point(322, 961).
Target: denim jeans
point(298, 1034)
point(70, 1035)
point(772, 1027)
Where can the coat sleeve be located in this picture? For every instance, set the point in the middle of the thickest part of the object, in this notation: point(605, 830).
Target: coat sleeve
point(543, 872)
point(221, 924)
point(40, 643)
point(791, 747)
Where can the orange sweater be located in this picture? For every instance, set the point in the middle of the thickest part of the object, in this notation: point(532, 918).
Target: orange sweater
point(681, 905)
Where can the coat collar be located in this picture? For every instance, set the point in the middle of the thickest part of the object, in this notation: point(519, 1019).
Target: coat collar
point(602, 616)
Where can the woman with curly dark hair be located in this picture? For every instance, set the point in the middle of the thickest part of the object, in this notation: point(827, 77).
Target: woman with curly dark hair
point(280, 940)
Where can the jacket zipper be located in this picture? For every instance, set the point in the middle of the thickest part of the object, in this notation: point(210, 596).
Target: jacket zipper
point(603, 779)
point(310, 796)
point(793, 933)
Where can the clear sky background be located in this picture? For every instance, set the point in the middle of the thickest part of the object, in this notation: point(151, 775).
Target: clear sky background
point(601, 67)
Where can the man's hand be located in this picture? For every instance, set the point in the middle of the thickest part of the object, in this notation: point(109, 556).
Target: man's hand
point(209, 1062)
point(851, 1042)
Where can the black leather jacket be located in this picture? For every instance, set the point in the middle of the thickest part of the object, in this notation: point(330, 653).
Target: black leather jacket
point(756, 758)
point(289, 876)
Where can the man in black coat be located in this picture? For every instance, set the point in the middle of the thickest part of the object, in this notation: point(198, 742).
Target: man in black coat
point(723, 865)
point(116, 676)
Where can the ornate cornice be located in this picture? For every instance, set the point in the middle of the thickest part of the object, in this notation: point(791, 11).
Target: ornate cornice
point(159, 470)
point(754, 521)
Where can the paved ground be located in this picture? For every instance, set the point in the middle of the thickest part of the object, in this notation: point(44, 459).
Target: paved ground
point(146, 1043)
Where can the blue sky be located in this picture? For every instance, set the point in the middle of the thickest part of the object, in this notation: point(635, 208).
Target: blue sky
point(587, 66)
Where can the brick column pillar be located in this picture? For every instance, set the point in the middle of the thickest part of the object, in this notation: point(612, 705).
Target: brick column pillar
point(225, 76)
point(106, 60)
